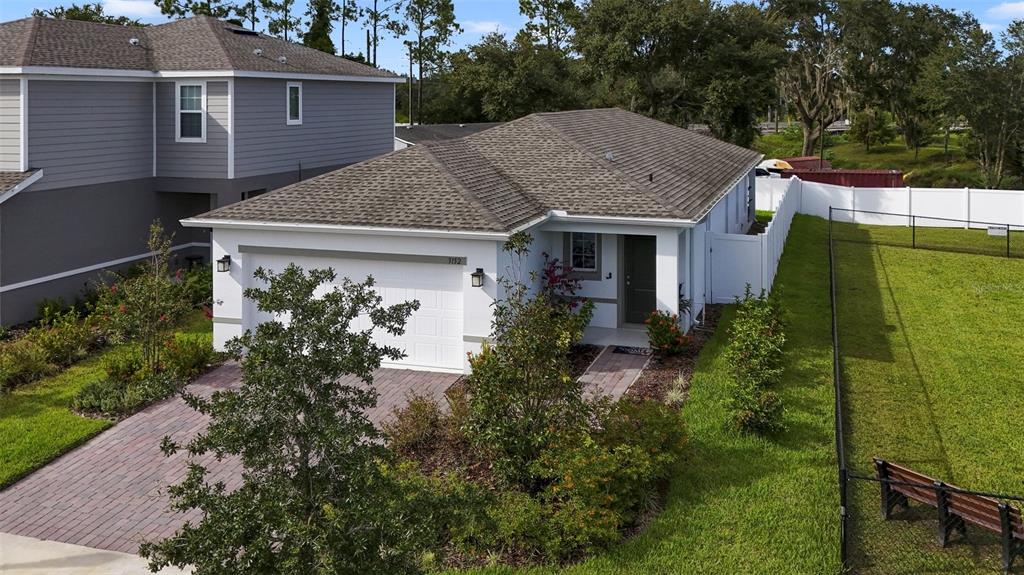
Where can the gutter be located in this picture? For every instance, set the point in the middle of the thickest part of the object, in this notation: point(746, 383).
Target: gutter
point(340, 229)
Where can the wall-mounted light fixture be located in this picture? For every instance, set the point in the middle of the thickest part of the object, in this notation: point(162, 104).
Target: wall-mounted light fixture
point(478, 277)
point(224, 264)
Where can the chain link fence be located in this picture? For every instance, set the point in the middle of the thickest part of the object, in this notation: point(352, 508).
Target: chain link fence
point(882, 531)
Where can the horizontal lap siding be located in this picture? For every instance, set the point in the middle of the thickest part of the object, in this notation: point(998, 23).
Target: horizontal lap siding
point(342, 123)
point(189, 159)
point(10, 125)
point(89, 132)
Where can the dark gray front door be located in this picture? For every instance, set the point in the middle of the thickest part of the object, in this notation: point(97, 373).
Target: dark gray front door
point(639, 265)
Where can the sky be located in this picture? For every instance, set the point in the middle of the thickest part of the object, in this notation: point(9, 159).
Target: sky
point(477, 18)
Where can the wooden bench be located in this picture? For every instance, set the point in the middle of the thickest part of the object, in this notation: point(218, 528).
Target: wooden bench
point(956, 509)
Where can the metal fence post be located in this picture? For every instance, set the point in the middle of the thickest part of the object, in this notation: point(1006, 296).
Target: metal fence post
point(1007, 240)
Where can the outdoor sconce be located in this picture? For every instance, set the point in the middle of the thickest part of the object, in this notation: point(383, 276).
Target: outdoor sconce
point(478, 277)
point(224, 264)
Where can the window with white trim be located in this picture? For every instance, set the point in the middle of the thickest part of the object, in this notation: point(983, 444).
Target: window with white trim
point(294, 103)
point(583, 251)
point(190, 108)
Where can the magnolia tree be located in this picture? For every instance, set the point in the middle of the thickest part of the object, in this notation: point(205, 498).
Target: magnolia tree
point(315, 495)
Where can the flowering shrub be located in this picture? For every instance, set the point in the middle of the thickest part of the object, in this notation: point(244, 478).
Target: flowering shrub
point(559, 284)
point(664, 333)
point(188, 355)
point(146, 306)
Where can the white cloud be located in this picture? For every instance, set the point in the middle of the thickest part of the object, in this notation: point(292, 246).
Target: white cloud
point(992, 28)
point(481, 27)
point(1007, 10)
point(131, 8)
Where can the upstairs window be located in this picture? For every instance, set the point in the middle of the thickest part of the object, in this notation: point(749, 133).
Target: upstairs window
point(583, 252)
point(190, 110)
point(294, 103)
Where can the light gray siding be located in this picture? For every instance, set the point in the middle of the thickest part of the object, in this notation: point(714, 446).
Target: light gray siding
point(10, 125)
point(89, 132)
point(189, 159)
point(342, 123)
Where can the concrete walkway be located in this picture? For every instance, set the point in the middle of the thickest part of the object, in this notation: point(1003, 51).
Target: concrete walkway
point(612, 373)
point(28, 556)
point(110, 493)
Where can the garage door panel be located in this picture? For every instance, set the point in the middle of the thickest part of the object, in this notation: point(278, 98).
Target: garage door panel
point(433, 336)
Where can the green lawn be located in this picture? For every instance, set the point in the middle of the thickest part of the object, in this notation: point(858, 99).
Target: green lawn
point(933, 356)
point(741, 504)
point(37, 424)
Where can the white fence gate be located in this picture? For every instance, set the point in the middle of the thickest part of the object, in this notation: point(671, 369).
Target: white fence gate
point(740, 260)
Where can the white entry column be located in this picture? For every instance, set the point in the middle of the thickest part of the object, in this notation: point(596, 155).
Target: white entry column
point(667, 270)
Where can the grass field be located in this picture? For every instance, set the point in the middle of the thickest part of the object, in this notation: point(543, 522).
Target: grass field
point(742, 504)
point(36, 421)
point(933, 360)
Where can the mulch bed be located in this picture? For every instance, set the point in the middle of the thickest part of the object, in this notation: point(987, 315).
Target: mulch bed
point(581, 356)
point(658, 377)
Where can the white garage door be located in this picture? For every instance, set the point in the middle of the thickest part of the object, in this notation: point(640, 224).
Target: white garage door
point(433, 335)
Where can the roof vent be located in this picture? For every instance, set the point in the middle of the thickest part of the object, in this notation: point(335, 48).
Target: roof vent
point(282, 59)
point(243, 31)
point(257, 52)
point(133, 41)
point(609, 156)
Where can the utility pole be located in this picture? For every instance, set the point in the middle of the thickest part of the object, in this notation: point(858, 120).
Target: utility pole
point(368, 47)
point(409, 45)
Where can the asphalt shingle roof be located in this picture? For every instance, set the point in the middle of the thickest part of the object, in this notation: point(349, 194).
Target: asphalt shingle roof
point(605, 162)
point(197, 43)
point(10, 179)
point(418, 133)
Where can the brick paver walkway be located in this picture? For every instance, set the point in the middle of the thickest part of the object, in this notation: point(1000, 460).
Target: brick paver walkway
point(612, 373)
point(110, 493)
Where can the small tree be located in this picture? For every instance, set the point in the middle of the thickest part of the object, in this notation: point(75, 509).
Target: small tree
point(145, 307)
point(872, 127)
point(521, 393)
point(316, 496)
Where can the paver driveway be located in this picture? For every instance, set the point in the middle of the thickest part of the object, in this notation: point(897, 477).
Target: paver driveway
point(110, 492)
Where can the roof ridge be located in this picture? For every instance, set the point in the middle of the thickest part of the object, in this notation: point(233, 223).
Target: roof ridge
point(626, 178)
point(217, 38)
point(446, 174)
point(29, 39)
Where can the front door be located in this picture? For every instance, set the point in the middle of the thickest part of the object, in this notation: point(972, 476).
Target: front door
point(639, 267)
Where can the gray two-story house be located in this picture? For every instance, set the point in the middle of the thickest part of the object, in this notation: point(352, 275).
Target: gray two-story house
point(105, 128)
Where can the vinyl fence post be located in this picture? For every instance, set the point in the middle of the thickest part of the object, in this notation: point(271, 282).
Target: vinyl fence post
point(913, 232)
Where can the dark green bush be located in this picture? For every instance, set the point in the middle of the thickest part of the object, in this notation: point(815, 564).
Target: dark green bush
point(197, 285)
point(756, 410)
point(188, 355)
point(755, 356)
point(116, 398)
point(756, 339)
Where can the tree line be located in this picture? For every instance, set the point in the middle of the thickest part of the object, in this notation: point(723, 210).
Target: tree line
point(915, 69)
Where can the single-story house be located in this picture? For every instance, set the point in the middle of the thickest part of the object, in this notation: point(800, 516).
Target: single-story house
point(626, 200)
point(409, 135)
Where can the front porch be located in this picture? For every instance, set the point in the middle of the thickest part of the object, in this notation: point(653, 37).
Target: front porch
point(628, 335)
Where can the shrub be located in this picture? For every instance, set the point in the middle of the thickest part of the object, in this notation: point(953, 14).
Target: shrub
point(664, 333)
point(123, 364)
point(757, 411)
point(417, 427)
point(65, 338)
point(756, 340)
point(145, 306)
point(188, 355)
point(197, 285)
point(521, 393)
point(49, 308)
point(116, 398)
point(22, 361)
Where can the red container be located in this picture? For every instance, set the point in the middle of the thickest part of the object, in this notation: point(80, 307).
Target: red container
point(807, 163)
point(856, 178)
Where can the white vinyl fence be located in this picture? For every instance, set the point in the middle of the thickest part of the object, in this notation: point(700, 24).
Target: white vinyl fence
point(931, 205)
point(738, 260)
